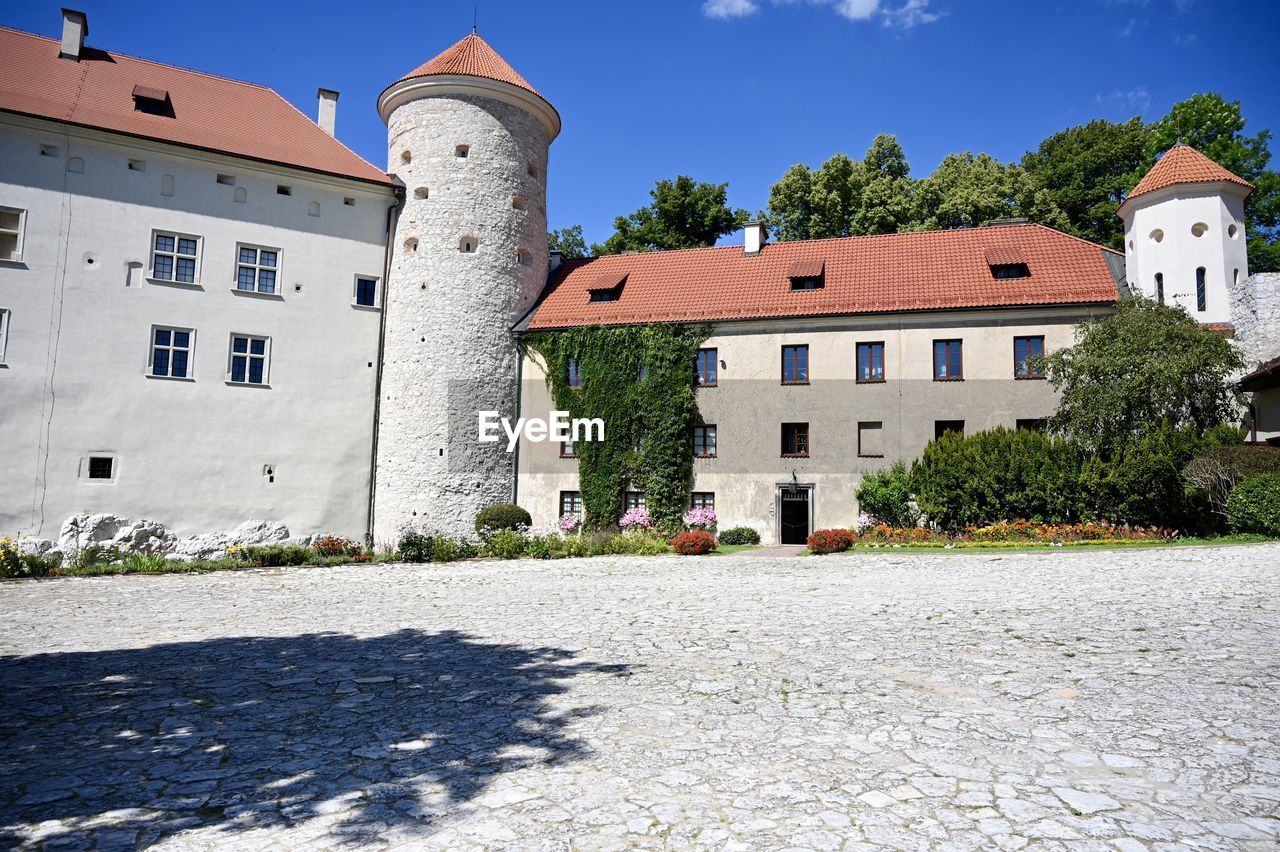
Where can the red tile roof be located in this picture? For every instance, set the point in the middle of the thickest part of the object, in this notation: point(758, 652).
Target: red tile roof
point(934, 270)
point(213, 113)
point(472, 57)
point(1184, 164)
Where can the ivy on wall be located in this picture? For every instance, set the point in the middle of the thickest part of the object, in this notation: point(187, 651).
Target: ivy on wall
point(641, 381)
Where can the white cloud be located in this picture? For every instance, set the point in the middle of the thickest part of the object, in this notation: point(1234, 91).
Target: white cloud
point(913, 13)
point(729, 8)
point(857, 10)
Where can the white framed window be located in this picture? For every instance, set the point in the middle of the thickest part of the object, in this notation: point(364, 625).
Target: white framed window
point(257, 268)
point(365, 293)
point(175, 257)
point(4, 332)
point(13, 221)
point(249, 359)
point(99, 467)
point(171, 352)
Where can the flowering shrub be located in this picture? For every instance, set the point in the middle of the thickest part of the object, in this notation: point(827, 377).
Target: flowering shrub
point(333, 545)
point(885, 534)
point(1088, 531)
point(700, 517)
point(866, 522)
point(694, 542)
point(569, 523)
point(830, 541)
point(11, 564)
point(635, 519)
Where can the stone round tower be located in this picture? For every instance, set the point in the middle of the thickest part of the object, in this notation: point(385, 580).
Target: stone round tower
point(469, 138)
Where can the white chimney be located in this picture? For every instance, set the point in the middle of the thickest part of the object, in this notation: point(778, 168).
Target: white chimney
point(75, 26)
point(556, 257)
point(756, 236)
point(327, 114)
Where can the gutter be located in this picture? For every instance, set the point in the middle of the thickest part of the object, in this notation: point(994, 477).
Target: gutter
point(393, 220)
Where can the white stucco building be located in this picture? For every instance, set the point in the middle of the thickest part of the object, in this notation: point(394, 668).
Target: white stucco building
point(202, 323)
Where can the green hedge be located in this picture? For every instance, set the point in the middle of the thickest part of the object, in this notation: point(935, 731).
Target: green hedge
point(886, 495)
point(502, 516)
point(740, 535)
point(1254, 505)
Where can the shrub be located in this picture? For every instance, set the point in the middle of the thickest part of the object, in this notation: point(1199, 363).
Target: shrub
point(541, 546)
point(417, 546)
point(1141, 484)
point(502, 516)
point(886, 495)
point(694, 542)
point(11, 564)
point(830, 541)
point(505, 544)
point(635, 518)
point(632, 543)
point(332, 545)
point(885, 534)
point(1217, 471)
point(1254, 505)
point(275, 555)
point(700, 517)
point(1016, 531)
point(740, 535)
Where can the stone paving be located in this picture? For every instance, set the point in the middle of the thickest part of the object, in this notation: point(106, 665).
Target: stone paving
point(1062, 700)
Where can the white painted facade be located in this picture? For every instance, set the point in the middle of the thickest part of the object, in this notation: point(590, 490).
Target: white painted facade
point(1172, 233)
point(195, 453)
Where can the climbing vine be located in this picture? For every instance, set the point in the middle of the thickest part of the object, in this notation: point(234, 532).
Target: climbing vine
point(641, 381)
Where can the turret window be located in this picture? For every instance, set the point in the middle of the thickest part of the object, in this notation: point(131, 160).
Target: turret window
point(406, 157)
point(462, 151)
point(1199, 229)
point(468, 245)
point(1157, 235)
point(1201, 294)
point(1232, 230)
point(518, 202)
point(1160, 287)
point(531, 170)
point(421, 193)
point(523, 257)
point(411, 245)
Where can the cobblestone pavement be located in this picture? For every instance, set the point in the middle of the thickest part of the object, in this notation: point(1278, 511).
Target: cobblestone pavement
point(1102, 700)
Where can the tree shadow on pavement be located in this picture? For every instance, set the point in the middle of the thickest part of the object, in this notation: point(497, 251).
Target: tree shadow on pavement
point(127, 747)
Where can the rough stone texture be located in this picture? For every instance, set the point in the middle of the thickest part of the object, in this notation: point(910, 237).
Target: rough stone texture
point(449, 351)
point(1086, 700)
point(215, 544)
point(1256, 315)
point(112, 531)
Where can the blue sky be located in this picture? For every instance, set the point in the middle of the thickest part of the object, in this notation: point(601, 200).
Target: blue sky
point(733, 90)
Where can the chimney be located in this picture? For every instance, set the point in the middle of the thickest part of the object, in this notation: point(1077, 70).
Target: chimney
point(556, 257)
point(327, 113)
point(75, 26)
point(756, 236)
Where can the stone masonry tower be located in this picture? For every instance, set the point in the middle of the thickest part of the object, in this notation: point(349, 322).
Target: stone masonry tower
point(469, 138)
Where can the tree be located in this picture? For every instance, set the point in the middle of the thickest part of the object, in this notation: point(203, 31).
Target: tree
point(967, 190)
point(684, 214)
point(568, 241)
point(1144, 367)
point(790, 213)
point(1215, 128)
point(1086, 172)
point(887, 204)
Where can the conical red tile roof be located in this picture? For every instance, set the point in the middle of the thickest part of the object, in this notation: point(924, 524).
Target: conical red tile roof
point(472, 57)
point(1184, 164)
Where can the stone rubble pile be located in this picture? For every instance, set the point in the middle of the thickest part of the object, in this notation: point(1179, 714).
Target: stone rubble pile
point(112, 532)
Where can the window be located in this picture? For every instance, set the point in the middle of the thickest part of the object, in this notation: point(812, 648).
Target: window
point(1024, 349)
point(633, 500)
point(152, 101)
point(175, 257)
point(137, 165)
point(366, 291)
point(4, 332)
point(571, 503)
point(871, 439)
point(171, 352)
point(248, 360)
point(942, 427)
point(642, 373)
point(1032, 424)
point(1201, 294)
point(567, 451)
point(575, 374)
point(948, 365)
point(12, 221)
point(870, 362)
point(227, 180)
point(1160, 287)
point(1006, 271)
point(283, 189)
point(795, 440)
point(795, 365)
point(707, 362)
point(609, 295)
point(704, 441)
point(702, 500)
point(807, 282)
point(462, 151)
point(1199, 229)
point(468, 245)
point(256, 269)
point(101, 467)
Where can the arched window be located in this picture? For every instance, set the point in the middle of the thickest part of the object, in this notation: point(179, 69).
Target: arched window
point(411, 245)
point(421, 192)
point(75, 165)
point(518, 202)
point(468, 245)
point(1160, 287)
point(1232, 230)
point(241, 195)
point(313, 209)
point(1201, 296)
point(406, 156)
point(462, 151)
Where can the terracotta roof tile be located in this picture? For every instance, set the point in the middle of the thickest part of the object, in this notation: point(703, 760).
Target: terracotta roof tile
point(209, 112)
point(472, 57)
point(1184, 164)
point(935, 270)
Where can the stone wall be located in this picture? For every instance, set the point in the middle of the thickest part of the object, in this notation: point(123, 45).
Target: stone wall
point(1256, 315)
point(448, 350)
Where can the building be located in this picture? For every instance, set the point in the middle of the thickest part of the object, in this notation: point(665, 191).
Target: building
point(201, 323)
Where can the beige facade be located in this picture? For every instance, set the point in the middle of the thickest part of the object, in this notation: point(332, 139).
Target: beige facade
point(750, 404)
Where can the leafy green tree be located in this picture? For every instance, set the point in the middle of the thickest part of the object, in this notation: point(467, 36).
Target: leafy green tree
point(1086, 172)
point(790, 213)
point(836, 198)
point(1215, 127)
point(1143, 366)
point(568, 241)
point(887, 203)
point(967, 190)
point(683, 214)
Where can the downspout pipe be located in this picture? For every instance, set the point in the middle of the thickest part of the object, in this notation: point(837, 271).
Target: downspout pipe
point(393, 221)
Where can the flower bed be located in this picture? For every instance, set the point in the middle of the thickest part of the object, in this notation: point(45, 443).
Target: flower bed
point(694, 542)
point(831, 541)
